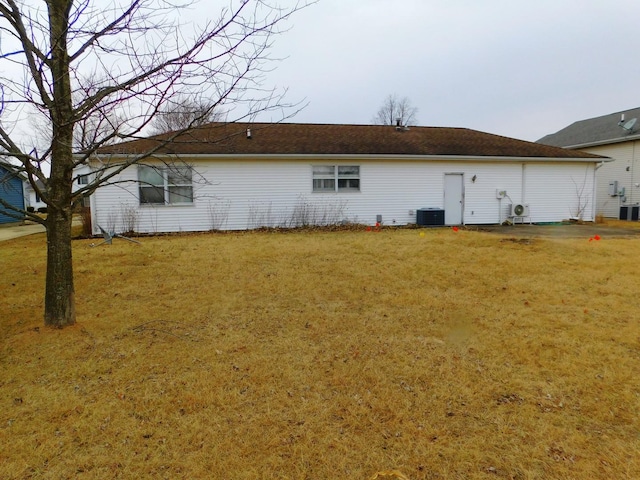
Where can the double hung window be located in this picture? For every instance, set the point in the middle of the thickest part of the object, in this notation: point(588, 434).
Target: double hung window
point(336, 178)
point(165, 185)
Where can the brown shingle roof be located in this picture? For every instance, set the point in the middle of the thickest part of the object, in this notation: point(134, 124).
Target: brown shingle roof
point(324, 139)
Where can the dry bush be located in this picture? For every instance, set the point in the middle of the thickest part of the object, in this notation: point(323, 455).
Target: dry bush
point(85, 220)
point(349, 354)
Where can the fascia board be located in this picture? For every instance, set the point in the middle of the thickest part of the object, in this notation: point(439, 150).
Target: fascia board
point(363, 157)
point(599, 143)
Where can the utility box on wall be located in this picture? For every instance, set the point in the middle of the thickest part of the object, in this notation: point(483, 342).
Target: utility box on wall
point(429, 217)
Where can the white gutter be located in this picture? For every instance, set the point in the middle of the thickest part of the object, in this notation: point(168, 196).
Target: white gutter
point(360, 157)
point(598, 143)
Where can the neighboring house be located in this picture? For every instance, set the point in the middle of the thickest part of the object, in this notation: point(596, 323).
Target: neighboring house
point(31, 197)
point(243, 176)
point(616, 135)
point(11, 192)
point(81, 177)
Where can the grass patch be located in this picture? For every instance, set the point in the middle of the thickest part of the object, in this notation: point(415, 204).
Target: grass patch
point(348, 354)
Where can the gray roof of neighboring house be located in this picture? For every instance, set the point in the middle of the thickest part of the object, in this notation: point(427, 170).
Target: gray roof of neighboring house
point(596, 131)
point(321, 139)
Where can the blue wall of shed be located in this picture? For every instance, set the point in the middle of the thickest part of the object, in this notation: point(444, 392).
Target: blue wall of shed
point(11, 192)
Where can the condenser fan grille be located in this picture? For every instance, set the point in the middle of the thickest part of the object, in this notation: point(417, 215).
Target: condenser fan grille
point(520, 210)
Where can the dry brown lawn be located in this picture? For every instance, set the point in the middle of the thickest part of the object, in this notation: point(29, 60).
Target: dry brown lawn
point(323, 355)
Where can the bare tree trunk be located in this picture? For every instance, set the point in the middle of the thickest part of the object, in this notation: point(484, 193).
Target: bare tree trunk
point(59, 306)
point(119, 94)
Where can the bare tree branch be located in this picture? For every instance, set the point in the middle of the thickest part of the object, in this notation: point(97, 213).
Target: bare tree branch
point(396, 111)
point(181, 113)
point(84, 74)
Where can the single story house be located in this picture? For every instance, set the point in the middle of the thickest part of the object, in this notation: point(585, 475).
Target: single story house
point(239, 176)
point(11, 193)
point(615, 135)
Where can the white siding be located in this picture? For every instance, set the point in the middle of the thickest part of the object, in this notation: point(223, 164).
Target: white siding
point(30, 199)
point(236, 195)
point(481, 206)
point(559, 191)
point(625, 169)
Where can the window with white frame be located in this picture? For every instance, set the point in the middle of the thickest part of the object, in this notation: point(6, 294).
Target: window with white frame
point(165, 185)
point(336, 178)
point(83, 179)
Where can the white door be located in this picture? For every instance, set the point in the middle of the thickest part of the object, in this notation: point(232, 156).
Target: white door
point(453, 199)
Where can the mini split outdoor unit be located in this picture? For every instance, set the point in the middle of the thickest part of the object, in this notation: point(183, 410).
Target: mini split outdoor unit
point(519, 209)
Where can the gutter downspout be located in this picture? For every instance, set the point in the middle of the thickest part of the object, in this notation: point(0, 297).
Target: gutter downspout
point(632, 184)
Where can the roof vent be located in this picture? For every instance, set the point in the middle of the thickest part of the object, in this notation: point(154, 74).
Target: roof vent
point(399, 126)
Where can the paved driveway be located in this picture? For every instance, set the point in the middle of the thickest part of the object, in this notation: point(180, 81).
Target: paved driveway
point(15, 230)
point(587, 231)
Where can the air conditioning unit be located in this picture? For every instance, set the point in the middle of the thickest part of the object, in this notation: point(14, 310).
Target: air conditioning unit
point(428, 217)
point(519, 209)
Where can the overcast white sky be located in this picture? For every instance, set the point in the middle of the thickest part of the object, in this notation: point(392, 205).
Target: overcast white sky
point(511, 67)
point(517, 68)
